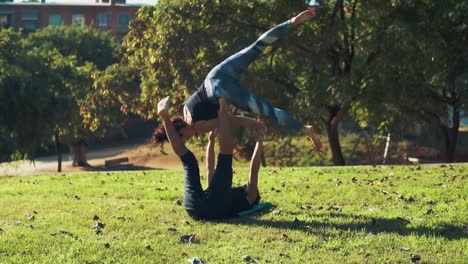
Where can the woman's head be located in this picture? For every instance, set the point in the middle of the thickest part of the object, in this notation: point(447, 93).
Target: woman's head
point(185, 131)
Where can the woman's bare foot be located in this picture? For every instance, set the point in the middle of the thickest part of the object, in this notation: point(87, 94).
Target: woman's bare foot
point(311, 133)
point(304, 16)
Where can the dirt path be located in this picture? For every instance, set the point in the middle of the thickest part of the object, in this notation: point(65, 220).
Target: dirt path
point(141, 157)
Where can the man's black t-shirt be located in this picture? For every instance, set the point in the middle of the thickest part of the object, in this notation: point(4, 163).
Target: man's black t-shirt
point(219, 200)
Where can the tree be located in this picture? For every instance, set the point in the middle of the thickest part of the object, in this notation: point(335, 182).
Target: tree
point(333, 65)
point(91, 50)
point(445, 75)
point(173, 45)
point(114, 93)
point(45, 81)
point(430, 62)
point(85, 44)
point(33, 92)
point(15, 92)
point(349, 62)
point(321, 69)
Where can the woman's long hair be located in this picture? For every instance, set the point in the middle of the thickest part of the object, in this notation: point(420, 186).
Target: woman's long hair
point(159, 134)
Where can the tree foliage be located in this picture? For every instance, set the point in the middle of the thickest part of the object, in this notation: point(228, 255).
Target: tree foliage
point(174, 44)
point(44, 81)
point(85, 44)
point(321, 68)
point(383, 65)
point(426, 67)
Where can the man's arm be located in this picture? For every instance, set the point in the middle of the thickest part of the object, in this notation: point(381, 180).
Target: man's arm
point(174, 138)
point(226, 140)
point(210, 156)
point(252, 185)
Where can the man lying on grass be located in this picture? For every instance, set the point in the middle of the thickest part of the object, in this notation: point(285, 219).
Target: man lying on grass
point(220, 199)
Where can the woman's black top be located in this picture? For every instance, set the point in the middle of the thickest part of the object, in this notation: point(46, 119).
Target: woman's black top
point(200, 107)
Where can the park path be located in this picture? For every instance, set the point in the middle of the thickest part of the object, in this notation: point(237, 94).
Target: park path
point(141, 157)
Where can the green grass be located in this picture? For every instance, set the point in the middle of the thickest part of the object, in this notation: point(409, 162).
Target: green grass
point(321, 215)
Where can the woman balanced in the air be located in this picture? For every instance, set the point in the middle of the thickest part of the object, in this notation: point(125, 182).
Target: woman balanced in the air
point(201, 109)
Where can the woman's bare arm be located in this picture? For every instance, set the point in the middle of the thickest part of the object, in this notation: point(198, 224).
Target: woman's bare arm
point(174, 138)
point(204, 126)
point(237, 121)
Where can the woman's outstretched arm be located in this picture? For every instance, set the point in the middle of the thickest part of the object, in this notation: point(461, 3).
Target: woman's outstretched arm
point(174, 138)
point(204, 126)
point(238, 121)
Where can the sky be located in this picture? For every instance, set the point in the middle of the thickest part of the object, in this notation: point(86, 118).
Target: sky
point(151, 2)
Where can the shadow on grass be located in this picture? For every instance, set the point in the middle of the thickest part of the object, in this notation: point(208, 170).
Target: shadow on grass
point(369, 225)
point(122, 167)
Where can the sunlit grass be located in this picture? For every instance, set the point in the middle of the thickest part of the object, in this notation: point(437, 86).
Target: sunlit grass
point(320, 215)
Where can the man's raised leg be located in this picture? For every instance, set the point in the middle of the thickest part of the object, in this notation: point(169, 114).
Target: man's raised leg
point(220, 186)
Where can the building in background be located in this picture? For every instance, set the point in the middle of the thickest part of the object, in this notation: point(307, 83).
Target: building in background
point(111, 15)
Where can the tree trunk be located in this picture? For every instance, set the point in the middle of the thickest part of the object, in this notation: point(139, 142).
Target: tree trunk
point(370, 149)
point(451, 136)
point(356, 144)
point(78, 150)
point(334, 140)
point(334, 137)
point(74, 153)
point(263, 159)
point(58, 148)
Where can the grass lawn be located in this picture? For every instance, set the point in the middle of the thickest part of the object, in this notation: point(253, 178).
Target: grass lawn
point(320, 215)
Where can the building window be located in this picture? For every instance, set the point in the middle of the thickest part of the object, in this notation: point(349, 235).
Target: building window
point(29, 20)
point(6, 19)
point(78, 20)
point(123, 20)
point(30, 15)
point(29, 26)
point(108, 1)
point(102, 20)
point(55, 20)
point(3, 21)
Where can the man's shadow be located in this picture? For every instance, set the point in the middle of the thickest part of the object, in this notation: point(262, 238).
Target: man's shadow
point(368, 224)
